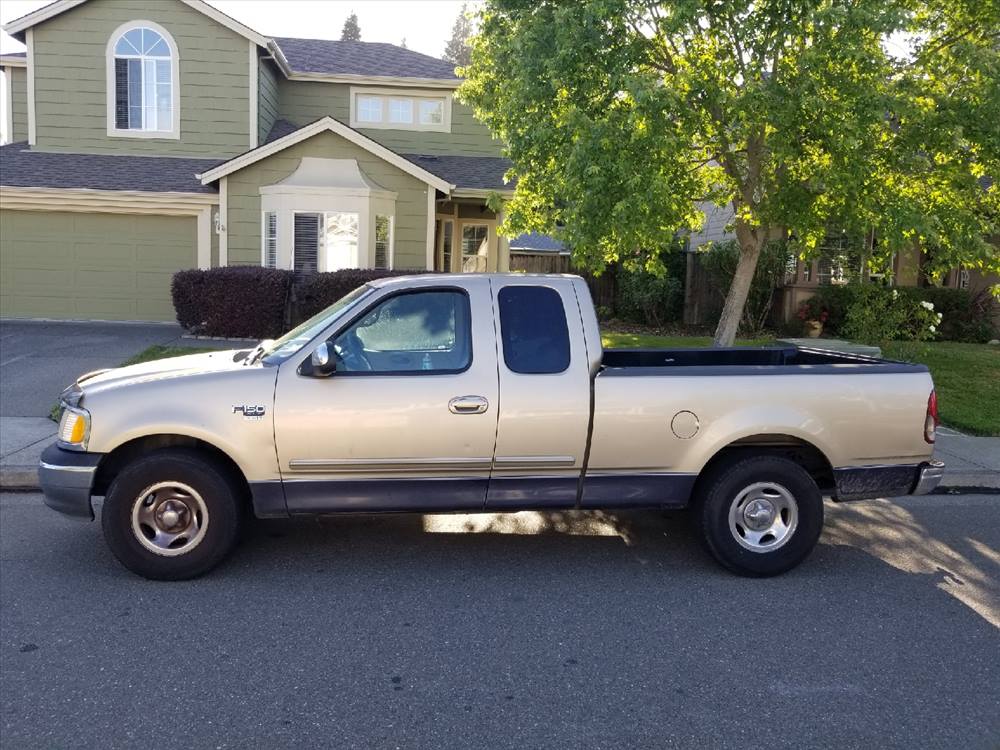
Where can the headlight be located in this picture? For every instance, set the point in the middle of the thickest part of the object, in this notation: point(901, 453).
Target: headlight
point(74, 428)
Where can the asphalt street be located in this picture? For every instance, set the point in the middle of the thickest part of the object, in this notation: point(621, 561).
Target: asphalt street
point(532, 631)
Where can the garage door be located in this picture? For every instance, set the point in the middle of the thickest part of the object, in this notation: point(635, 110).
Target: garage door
point(92, 266)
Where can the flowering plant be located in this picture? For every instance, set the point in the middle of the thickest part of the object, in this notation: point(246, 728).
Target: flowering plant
point(813, 309)
point(879, 315)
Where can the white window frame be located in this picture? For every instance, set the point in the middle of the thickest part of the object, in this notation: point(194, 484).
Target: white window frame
point(264, 237)
point(416, 96)
point(174, 133)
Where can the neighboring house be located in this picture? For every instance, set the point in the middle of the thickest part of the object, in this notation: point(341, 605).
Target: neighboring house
point(804, 277)
point(156, 135)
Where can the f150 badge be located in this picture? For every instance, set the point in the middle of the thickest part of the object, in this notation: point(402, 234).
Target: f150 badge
point(252, 412)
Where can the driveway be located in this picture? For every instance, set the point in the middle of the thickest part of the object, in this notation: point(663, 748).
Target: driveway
point(39, 359)
point(554, 631)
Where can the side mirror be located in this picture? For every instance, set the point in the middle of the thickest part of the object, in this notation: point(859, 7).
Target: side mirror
point(321, 362)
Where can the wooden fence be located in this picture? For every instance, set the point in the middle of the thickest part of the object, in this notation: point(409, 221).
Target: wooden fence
point(602, 288)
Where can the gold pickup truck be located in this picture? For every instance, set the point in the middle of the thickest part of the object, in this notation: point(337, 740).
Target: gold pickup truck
point(473, 393)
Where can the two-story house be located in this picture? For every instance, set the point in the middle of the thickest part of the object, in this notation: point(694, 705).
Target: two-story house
point(155, 135)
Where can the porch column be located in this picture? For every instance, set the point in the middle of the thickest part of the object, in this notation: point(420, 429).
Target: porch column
point(502, 262)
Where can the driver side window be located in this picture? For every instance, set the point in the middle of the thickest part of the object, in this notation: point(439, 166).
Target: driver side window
point(413, 332)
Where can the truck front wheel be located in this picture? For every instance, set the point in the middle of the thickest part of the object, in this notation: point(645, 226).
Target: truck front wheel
point(759, 515)
point(172, 515)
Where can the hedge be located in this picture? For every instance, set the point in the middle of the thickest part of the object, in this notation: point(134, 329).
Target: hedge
point(321, 290)
point(236, 302)
point(254, 302)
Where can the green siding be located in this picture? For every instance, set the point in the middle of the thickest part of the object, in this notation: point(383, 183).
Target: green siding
point(303, 102)
point(243, 221)
point(90, 265)
point(71, 80)
point(17, 79)
point(267, 98)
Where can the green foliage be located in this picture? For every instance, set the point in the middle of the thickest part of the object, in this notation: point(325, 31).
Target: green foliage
point(619, 115)
point(458, 50)
point(878, 314)
point(720, 262)
point(966, 317)
point(644, 297)
point(352, 29)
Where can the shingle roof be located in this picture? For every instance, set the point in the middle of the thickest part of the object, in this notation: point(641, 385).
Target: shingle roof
point(280, 129)
point(327, 57)
point(534, 242)
point(20, 167)
point(476, 172)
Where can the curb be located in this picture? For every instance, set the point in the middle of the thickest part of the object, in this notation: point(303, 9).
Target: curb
point(25, 478)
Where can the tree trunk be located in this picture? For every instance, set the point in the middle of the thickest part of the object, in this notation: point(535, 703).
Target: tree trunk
point(751, 242)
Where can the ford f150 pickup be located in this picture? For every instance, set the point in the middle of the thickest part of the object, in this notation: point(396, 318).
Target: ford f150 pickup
point(484, 393)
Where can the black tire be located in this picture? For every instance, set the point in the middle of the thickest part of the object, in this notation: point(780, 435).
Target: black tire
point(724, 485)
point(222, 519)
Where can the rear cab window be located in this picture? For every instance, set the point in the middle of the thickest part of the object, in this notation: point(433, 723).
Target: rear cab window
point(533, 330)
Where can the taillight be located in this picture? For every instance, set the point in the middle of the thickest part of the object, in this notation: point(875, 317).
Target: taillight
point(931, 421)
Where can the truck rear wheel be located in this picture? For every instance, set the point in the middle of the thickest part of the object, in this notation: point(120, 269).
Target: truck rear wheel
point(172, 515)
point(759, 515)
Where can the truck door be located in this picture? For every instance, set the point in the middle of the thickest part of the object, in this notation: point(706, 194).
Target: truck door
point(544, 394)
point(408, 420)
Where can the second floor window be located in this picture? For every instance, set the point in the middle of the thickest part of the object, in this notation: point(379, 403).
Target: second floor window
point(144, 85)
point(400, 110)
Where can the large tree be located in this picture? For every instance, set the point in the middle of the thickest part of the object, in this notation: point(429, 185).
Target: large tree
point(352, 29)
point(620, 115)
point(458, 50)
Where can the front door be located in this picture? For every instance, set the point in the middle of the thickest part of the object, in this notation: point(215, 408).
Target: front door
point(408, 420)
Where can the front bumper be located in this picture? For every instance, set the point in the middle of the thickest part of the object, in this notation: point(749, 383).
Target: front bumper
point(929, 477)
point(66, 478)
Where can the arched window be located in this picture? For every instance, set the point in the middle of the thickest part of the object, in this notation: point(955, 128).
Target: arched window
point(142, 81)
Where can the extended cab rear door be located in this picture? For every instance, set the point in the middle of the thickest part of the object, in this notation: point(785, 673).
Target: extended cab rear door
point(544, 394)
point(408, 420)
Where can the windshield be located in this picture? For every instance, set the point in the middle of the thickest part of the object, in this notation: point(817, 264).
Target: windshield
point(283, 348)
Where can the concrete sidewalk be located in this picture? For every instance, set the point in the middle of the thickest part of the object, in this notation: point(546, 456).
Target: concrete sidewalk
point(972, 462)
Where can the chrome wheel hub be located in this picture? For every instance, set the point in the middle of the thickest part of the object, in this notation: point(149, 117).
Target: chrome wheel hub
point(763, 516)
point(169, 518)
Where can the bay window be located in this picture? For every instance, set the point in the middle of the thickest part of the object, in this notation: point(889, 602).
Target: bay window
point(326, 216)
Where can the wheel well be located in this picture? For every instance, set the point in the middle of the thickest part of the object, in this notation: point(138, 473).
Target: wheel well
point(805, 454)
point(125, 453)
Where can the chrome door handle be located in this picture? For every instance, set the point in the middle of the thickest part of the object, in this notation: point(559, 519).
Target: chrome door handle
point(468, 405)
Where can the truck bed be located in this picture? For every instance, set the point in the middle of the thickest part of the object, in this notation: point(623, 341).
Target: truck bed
point(744, 360)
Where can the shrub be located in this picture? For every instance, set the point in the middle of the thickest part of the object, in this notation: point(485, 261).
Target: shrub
point(643, 297)
point(966, 316)
point(320, 290)
point(236, 302)
point(720, 263)
point(878, 315)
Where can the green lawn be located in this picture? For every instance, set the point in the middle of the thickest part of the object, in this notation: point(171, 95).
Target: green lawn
point(966, 376)
point(158, 351)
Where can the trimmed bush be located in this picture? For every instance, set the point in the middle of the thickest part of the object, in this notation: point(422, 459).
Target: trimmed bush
point(236, 302)
point(314, 292)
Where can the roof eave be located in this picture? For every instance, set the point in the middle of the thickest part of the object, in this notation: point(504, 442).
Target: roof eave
point(308, 131)
point(436, 83)
point(18, 26)
point(460, 192)
point(8, 61)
